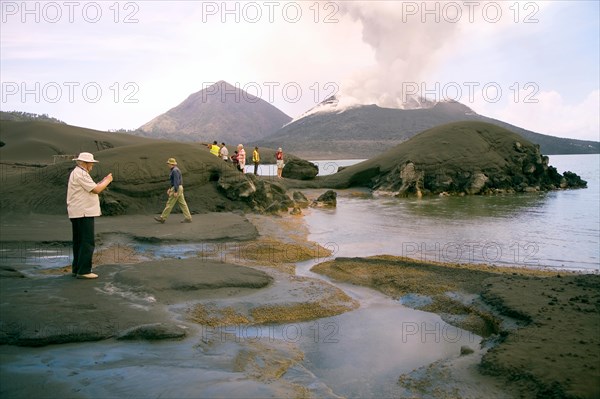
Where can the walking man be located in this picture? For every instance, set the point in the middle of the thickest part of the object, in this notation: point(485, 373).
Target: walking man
point(175, 193)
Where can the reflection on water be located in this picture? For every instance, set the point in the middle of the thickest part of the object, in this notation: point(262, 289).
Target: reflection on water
point(559, 229)
point(473, 207)
point(362, 353)
point(40, 255)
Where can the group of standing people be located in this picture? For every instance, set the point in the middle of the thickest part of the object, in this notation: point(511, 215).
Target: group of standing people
point(239, 157)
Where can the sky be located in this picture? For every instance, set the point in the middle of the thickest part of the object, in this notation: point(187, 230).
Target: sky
point(118, 64)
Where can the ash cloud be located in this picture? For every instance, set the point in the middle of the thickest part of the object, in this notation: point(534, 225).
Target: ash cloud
point(406, 49)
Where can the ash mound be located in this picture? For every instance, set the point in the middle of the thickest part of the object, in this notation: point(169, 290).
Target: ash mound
point(458, 158)
point(36, 163)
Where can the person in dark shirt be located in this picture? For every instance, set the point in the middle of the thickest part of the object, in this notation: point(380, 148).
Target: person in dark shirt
point(175, 193)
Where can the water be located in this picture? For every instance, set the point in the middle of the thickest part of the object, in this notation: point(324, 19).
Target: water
point(559, 229)
point(361, 354)
point(325, 167)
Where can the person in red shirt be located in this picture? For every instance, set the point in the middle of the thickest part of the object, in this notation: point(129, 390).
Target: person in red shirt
point(235, 160)
point(279, 158)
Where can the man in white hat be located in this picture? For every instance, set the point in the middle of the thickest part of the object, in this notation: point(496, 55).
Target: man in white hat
point(175, 193)
point(83, 205)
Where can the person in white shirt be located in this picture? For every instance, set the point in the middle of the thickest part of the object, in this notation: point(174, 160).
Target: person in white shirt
point(83, 205)
point(224, 152)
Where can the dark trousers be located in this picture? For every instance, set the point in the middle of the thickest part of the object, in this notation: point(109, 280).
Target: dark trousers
point(256, 168)
point(83, 244)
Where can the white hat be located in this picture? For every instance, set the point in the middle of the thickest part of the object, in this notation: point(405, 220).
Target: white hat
point(85, 157)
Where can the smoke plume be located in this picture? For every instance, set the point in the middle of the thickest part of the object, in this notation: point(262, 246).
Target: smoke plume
point(406, 47)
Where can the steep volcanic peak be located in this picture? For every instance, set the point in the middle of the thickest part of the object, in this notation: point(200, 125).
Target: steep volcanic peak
point(220, 111)
point(222, 92)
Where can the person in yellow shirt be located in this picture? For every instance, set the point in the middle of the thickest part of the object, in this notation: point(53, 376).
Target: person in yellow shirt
point(214, 149)
point(256, 160)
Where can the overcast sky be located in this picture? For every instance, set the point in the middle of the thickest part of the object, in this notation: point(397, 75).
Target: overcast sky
point(110, 65)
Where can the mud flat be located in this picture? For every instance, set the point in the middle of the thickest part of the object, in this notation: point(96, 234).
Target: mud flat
point(542, 327)
point(160, 306)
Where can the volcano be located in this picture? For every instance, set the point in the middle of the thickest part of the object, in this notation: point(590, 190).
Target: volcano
point(337, 130)
point(219, 112)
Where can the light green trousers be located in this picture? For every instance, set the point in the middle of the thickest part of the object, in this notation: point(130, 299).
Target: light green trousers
point(179, 199)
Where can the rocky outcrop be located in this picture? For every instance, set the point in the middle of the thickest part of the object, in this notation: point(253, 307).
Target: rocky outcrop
point(326, 200)
point(404, 180)
point(300, 199)
point(459, 158)
point(296, 211)
point(476, 184)
point(300, 169)
point(261, 195)
point(236, 186)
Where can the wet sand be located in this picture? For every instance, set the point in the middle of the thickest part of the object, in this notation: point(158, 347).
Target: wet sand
point(541, 328)
point(243, 280)
point(57, 228)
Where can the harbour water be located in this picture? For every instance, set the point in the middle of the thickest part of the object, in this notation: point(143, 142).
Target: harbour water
point(558, 229)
